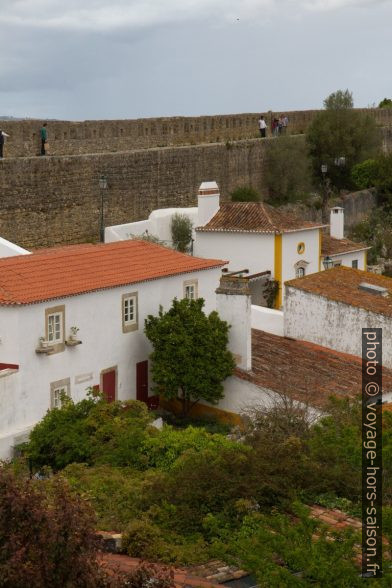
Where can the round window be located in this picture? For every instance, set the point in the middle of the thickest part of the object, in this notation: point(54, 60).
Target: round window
point(301, 248)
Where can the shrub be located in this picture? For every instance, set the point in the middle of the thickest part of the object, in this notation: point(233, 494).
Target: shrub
point(142, 539)
point(245, 194)
point(181, 232)
point(287, 170)
point(365, 174)
point(47, 535)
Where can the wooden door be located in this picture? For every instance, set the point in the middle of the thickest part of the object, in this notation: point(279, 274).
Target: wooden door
point(109, 385)
point(142, 381)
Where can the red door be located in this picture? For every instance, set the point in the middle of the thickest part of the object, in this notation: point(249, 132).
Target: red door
point(109, 385)
point(142, 381)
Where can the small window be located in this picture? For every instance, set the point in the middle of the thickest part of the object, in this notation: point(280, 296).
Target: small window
point(190, 289)
point(301, 248)
point(129, 312)
point(300, 272)
point(354, 263)
point(57, 392)
point(55, 327)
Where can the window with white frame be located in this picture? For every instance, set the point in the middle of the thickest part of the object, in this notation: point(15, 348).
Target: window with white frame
point(54, 327)
point(57, 392)
point(300, 272)
point(129, 312)
point(190, 289)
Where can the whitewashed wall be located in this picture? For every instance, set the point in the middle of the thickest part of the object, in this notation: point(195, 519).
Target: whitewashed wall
point(347, 258)
point(267, 319)
point(99, 318)
point(332, 324)
point(8, 249)
point(290, 255)
point(158, 224)
point(253, 251)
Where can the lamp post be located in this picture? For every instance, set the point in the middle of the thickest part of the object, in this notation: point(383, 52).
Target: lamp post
point(327, 262)
point(103, 184)
point(324, 204)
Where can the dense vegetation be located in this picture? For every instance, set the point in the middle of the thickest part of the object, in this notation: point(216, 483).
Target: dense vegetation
point(185, 496)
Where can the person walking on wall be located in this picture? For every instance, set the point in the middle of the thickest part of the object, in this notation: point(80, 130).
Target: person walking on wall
point(44, 138)
point(262, 126)
point(3, 136)
point(285, 123)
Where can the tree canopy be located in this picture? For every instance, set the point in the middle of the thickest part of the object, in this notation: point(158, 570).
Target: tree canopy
point(340, 137)
point(190, 358)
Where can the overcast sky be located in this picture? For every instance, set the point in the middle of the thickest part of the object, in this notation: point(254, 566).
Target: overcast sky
point(95, 59)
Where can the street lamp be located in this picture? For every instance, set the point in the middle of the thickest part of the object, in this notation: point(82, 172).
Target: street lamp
point(103, 184)
point(327, 262)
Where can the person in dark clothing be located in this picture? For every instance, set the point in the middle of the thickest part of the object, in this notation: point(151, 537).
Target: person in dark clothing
point(44, 138)
point(1, 144)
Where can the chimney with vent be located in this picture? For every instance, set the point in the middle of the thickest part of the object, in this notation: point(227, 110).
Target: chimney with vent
point(207, 202)
point(337, 222)
point(233, 304)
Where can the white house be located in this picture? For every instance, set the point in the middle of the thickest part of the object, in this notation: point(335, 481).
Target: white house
point(72, 318)
point(331, 309)
point(256, 237)
point(336, 250)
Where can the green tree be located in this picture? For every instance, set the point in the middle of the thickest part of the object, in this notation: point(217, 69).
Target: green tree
point(339, 100)
point(365, 174)
point(245, 194)
point(181, 231)
point(340, 132)
point(386, 103)
point(288, 173)
point(190, 358)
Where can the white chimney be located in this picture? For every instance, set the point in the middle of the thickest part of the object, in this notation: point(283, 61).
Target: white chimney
point(337, 222)
point(207, 202)
point(233, 304)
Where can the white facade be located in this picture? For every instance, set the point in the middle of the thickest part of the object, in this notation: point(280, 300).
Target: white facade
point(252, 251)
point(347, 259)
point(8, 249)
point(25, 395)
point(269, 320)
point(332, 324)
point(157, 225)
point(300, 249)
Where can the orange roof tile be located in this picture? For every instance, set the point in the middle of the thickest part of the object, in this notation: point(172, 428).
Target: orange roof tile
point(255, 217)
point(68, 271)
point(342, 285)
point(305, 371)
point(331, 246)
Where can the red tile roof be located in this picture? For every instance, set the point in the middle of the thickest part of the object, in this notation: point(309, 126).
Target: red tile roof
point(331, 246)
point(305, 371)
point(342, 285)
point(68, 271)
point(255, 217)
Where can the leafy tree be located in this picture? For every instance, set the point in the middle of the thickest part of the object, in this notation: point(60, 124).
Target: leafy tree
point(245, 194)
point(190, 358)
point(365, 174)
point(288, 172)
point(90, 431)
point(340, 132)
point(293, 552)
point(181, 231)
point(47, 536)
point(386, 103)
point(339, 100)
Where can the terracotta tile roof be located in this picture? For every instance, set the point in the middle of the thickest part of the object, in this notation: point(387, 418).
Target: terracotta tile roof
point(182, 577)
point(342, 285)
point(255, 217)
point(68, 271)
point(305, 371)
point(331, 246)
